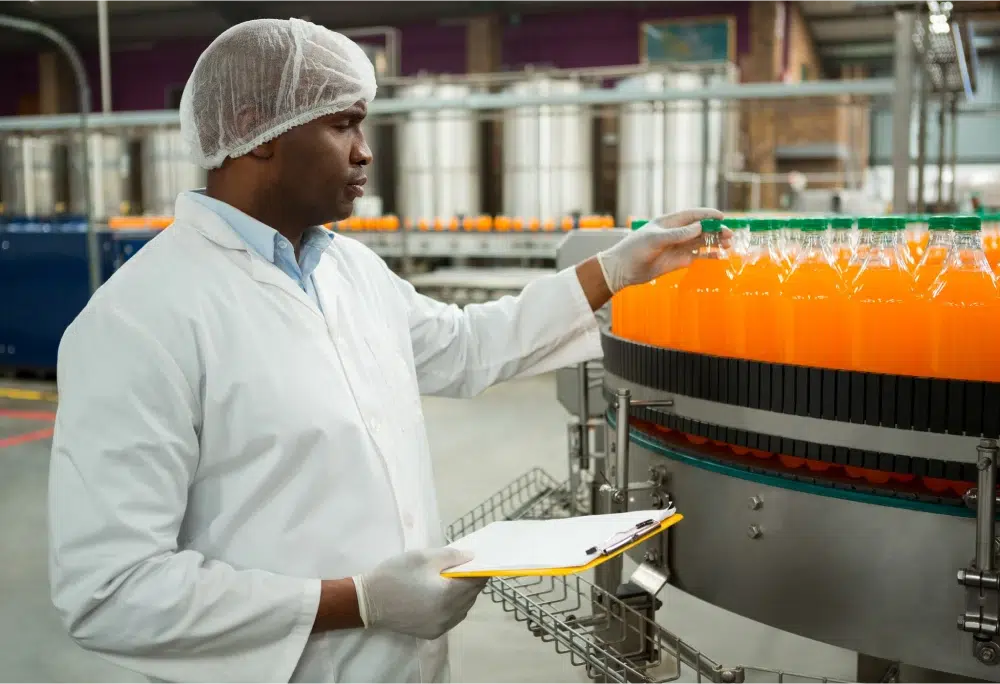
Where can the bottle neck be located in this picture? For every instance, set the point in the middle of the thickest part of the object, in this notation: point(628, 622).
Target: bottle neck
point(815, 247)
point(968, 240)
point(940, 238)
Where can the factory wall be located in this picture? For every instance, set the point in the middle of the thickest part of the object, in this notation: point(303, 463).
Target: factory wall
point(142, 77)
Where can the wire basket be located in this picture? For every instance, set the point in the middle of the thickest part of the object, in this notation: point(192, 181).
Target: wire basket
point(613, 635)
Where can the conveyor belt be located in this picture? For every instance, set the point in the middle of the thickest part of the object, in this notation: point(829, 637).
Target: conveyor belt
point(907, 403)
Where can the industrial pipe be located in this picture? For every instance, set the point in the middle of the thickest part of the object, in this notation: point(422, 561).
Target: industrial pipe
point(83, 88)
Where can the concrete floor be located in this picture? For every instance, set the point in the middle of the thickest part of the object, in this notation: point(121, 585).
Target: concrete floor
point(479, 446)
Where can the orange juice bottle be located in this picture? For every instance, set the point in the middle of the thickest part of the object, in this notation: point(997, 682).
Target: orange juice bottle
point(842, 241)
point(938, 246)
point(883, 309)
point(814, 298)
point(964, 310)
point(899, 227)
point(790, 239)
point(702, 294)
point(756, 326)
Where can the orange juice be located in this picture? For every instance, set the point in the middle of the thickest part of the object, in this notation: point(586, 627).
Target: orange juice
point(701, 296)
point(815, 304)
point(756, 326)
point(938, 247)
point(664, 306)
point(883, 310)
point(964, 309)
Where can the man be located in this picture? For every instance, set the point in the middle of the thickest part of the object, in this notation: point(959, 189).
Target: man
point(240, 486)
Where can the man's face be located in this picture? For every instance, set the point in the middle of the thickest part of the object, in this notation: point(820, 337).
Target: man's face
point(320, 166)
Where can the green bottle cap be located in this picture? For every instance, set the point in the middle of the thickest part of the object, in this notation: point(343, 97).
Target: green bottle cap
point(779, 224)
point(758, 225)
point(884, 224)
point(968, 223)
point(813, 224)
point(796, 223)
point(711, 226)
point(941, 223)
point(736, 223)
point(638, 223)
point(842, 223)
point(867, 222)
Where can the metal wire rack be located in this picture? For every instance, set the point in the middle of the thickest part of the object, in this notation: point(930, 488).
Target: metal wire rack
point(613, 635)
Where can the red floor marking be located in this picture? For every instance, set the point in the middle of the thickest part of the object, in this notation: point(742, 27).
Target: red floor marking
point(26, 437)
point(27, 415)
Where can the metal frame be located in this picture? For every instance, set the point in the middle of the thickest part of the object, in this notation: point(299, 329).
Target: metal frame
point(485, 101)
point(928, 445)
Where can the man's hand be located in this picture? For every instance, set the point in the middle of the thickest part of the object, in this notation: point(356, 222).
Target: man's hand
point(408, 595)
point(664, 244)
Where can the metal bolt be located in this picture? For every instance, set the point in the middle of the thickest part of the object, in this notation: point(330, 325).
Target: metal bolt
point(987, 653)
point(984, 462)
point(755, 503)
point(754, 531)
point(651, 557)
point(727, 676)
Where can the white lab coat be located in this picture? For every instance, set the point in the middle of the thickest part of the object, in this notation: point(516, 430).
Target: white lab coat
point(221, 445)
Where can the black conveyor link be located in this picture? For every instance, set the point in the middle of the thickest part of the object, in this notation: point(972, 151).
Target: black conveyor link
point(651, 416)
point(922, 404)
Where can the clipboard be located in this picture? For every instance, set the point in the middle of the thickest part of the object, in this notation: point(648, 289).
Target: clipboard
point(602, 554)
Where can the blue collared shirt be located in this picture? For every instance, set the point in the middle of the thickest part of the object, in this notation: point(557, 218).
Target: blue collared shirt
point(273, 246)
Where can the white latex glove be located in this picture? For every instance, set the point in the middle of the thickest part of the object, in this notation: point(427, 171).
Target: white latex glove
point(408, 595)
point(664, 244)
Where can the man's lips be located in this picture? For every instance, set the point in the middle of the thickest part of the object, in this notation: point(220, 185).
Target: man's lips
point(355, 188)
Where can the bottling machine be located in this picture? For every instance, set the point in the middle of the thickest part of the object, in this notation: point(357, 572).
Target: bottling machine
point(838, 540)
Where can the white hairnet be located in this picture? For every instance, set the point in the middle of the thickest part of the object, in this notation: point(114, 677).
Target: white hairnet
point(261, 78)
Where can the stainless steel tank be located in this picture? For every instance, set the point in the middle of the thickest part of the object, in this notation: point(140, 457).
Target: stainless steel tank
point(547, 156)
point(166, 171)
point(27, 175)
point(439, 172)
point(108, 157)
point(661, 155)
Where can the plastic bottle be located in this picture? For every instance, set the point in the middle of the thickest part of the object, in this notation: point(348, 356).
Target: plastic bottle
point(790, 240)
point(741, 242)
point(883, 310)
point(842, 241)
point(861, 249)
point(938, 246)
point(702, 295)
point(899, 224)
point(785, 241)
point(756, 328)
point(964, 310)
point(814, 300)
point(991, 240)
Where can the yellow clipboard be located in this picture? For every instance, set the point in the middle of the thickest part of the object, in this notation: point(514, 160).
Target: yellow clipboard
point(561, 572)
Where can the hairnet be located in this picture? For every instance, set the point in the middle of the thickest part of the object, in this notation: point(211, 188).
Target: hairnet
point(261, 78)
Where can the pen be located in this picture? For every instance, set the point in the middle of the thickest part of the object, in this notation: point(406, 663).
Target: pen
point(631, 537)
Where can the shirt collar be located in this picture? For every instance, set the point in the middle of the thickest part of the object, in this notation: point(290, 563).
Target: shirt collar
point(260, 237)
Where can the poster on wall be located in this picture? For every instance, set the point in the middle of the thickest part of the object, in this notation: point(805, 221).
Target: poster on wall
point(706, 39)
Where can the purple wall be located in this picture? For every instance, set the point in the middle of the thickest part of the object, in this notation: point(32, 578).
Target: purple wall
point(601, 37)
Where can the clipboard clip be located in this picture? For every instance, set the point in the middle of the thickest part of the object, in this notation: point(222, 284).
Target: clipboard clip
point(620, 540)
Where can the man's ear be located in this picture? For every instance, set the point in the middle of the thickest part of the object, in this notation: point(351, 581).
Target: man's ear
point(264, 151)
point(245, 122)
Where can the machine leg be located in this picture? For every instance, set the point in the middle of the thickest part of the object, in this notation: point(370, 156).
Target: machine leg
point(981, 580)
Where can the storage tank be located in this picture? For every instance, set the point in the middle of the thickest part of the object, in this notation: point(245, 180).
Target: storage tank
point(547, 154)
point(27, 175)
point(108, 157)
point(439, 150)
point(670, 153)
point(166, 172)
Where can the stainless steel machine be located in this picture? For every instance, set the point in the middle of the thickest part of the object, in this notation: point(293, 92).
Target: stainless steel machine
point(842, 507)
